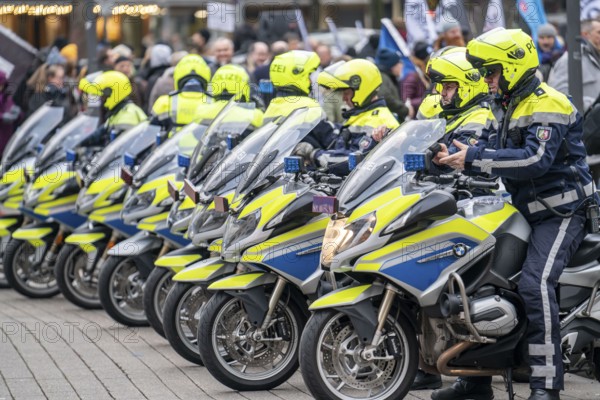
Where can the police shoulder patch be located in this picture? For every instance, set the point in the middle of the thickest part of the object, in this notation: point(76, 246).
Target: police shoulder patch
point(375, 112)
point(539, 91)
point(365, 143)
point(543, 133)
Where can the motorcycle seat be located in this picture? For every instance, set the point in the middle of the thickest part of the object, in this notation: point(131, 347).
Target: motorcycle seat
point(588, 251)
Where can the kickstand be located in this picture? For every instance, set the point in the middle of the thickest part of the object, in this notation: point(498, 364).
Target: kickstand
point(509, 384)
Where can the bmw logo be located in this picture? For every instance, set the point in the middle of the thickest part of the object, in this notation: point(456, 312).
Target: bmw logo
point(459, 249)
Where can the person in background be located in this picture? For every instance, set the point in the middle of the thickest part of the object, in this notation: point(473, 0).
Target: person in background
point(121, 50)
point(258, 55)
point(415, 85)
point(199, 42)
point(10, 113)
point(450, 35)
point(125, 66)
point(370, 49)
point(293, 40)
point(244, 36)
point(590, 64)
point(390, 65)
point(166, 84)
point(48, 85)
point(159, 61)
point(324, 53)
point(262, 72)
point(549, 49)
point(222, 50)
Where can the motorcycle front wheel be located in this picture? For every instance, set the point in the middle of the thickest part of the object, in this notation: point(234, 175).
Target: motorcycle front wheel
point(181, 316)
point(236, 356)
point(333, 365)
point(23, 274)
point(120, 288)
point(156, 290)
point(77, 283)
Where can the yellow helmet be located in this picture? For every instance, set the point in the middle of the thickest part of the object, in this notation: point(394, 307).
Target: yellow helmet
point(231, 81)
point(512, 50)
point(112, 86)
point(452, 66)
point(293, 69)
point(362, 76)
point(430, 107)
point(191, 66)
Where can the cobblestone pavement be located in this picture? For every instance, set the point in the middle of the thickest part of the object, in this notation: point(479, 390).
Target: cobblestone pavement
point(50, 349)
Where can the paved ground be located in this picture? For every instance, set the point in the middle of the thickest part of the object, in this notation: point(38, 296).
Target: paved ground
point(50, 349)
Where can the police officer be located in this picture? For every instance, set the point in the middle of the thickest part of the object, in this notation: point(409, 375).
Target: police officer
point(119, 113)
point(359, 82)
point(180, 107)
point(539, 154)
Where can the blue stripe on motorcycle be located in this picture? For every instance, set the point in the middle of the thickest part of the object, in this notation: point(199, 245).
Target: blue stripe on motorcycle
point(118, 225)
point(71, 219)
point(28, 212)
point(290, 262)
point(179, 239)
point(421, 275)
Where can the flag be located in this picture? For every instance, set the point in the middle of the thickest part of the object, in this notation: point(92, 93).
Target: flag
point(419, 24)
point(391, 39)
point(303, 30)
point(590, 9)
point(532, 12)
point(453, 10)
point(338, 41)
point(494, 17)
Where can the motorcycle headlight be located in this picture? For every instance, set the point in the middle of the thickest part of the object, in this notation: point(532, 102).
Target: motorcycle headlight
point(340, 236)
point(119, 194)
point(240, 228)
point(139, 200)
point(207, 220)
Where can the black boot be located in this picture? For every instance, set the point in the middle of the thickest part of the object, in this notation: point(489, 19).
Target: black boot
point(464, 389)
point(544, 394)
point(423, 381)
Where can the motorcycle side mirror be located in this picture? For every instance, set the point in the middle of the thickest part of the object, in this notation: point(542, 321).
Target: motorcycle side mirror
point(126, 176)
point(221, 204)
point(190, 191)
point(325, 204)
point(173, 190)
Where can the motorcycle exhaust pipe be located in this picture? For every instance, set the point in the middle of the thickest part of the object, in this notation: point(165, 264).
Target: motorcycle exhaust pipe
point(455, 351)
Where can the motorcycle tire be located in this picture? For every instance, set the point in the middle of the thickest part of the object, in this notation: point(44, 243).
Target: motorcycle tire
point(156, 290)
point(224, 311)
point(111, 290)
point(180, 319)
point(70, 276)
point(320, 366)
point(16, 271)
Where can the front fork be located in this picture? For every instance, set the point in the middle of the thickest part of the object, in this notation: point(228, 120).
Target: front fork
point(275, 296)
point(50, 257)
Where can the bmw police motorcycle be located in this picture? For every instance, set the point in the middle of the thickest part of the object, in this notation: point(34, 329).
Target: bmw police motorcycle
point(100, 199)
point(49, 202)
point(249, 330)
point(430, 267)
point(18, 159)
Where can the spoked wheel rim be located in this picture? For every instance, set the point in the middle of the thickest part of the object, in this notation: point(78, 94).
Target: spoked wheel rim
point(126, 290)
point(344, 370)
point(244, 356)
point(160, 294)
point(30, 275)
point(187, 316)
point(83, 284)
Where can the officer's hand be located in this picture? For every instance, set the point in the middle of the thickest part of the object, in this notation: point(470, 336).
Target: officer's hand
point(304, 150)
point(456, 160)
point(379, 133)
point(440, 154)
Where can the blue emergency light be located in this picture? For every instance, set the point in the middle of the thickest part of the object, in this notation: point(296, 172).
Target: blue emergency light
point(113, 135)
point(129, 159)
point(414, 162)
point(39, 148)
point(292, 165)
point(354, 159)
point(158, 139)
point(232, 141)
point(71, 156)
point(183, 160)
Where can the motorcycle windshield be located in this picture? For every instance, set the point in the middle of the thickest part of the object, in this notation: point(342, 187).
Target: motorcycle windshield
point(67, 138)
point(237, 162)
point(182, 142)
point(232, 121)
point(385, 163)
point(31, 133)
point(268, 164)
point(133, 141)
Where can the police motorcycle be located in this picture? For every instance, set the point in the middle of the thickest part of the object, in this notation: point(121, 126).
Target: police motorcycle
point(49, 202)
point(228, 127)
point(100, 199)
point(192, 273)
point(18, 160)
point(426, 265)
point(249, 330)
point(147, 204)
